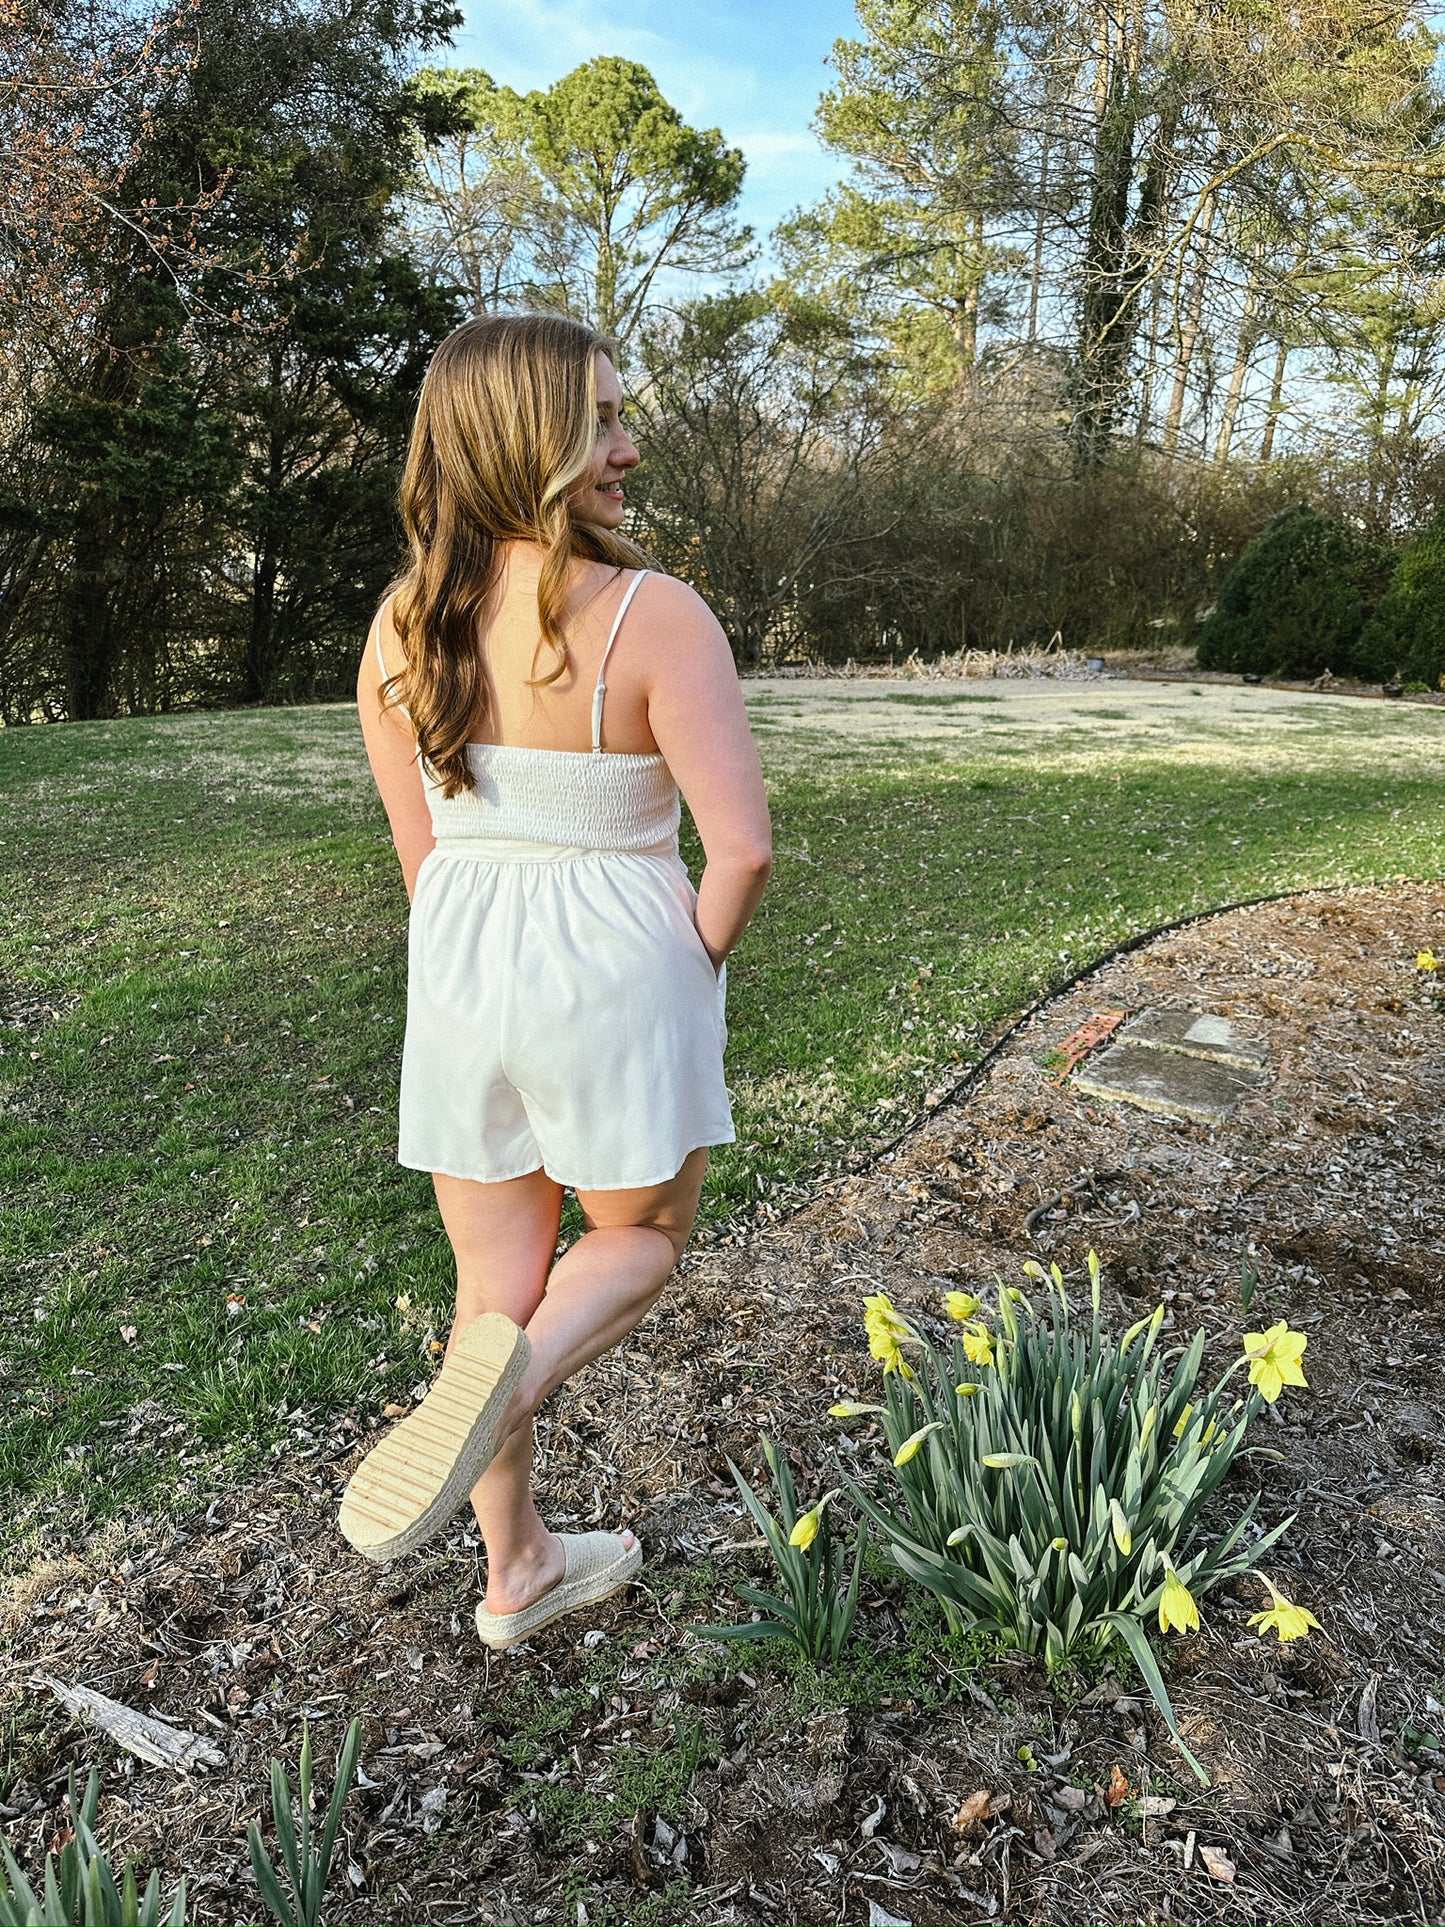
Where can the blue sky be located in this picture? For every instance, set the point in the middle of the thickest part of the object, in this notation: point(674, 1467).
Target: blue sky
point(753, 68)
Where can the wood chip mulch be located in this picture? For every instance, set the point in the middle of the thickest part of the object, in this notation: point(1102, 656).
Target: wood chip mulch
point(1328, 1795)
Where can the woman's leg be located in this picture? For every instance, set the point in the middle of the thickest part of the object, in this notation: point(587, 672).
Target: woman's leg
point(504, 1238)
point(597, 1292)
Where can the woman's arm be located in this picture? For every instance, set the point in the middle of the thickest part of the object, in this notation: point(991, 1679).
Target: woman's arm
point(391, 748)
point(695, 711)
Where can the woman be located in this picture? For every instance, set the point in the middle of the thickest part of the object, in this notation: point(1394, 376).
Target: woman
point(533, 698)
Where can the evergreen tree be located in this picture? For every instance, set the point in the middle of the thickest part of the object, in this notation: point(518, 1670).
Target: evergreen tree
point(1404, 640)
point(577, 196)
point(1295, 602)
point(222, 449)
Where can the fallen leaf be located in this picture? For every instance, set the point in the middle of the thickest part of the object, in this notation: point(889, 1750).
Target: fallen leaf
point(127, 1334)
point(880, 1916)
point(973, 1812)
point(1072, 1799)
point(1217, 1864)
point(1154, 1806)
point(1044, 1844)
point(394, 1411)
point(1118, 1788)
point(873, 1821)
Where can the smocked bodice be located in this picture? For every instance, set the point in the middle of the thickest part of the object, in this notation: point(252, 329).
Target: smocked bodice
point(573, 798)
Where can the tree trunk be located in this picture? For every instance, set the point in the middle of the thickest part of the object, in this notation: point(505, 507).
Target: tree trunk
point(1188, 337)
point(1116, 260)
point(1243, 355)
point(260, 663)
point(1037, 274)
point(1276, 403)
point(89, 624)
point(1151, 368)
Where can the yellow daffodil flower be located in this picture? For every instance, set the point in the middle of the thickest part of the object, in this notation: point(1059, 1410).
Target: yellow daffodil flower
point(1289, 1621)
point(879, 1311)
point(961, 1305)
point(847, 1409)
point(913, 1444)
point(806, 1530)
point(1119, 1525)
point(1425, 960)
point(978, 1344)
point(887, 1333)
point(1059, 1545)
point(1176, 1606)
point(1183, 1420)
point(886, 1349)
point(1274, 1359)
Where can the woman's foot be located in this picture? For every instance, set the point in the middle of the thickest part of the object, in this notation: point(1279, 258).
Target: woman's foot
point(512, 1587)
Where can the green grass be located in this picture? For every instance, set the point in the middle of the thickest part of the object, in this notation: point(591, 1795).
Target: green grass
point(204, 1230)
point(927, 699)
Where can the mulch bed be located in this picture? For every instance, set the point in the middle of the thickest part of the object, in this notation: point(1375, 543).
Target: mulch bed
point(1328, 1795)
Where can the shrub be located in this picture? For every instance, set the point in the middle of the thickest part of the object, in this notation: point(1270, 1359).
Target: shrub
point(1404, 640)
point(1297, 599)
point(1052, 1481)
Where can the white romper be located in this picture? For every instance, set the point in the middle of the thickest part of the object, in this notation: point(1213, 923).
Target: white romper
point(562, 1010)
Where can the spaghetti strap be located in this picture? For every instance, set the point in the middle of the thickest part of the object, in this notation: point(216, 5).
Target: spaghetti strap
point(386, 675)
point(600, 692)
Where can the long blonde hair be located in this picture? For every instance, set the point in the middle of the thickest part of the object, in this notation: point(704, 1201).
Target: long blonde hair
point(506, 426)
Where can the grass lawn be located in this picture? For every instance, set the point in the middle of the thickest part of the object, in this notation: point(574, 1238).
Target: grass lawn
point(204, 1231)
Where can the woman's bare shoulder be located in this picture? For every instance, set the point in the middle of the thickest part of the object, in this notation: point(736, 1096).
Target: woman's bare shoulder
point(671, 610)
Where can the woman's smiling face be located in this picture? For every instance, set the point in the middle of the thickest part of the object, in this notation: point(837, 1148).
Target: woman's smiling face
point(600, 496)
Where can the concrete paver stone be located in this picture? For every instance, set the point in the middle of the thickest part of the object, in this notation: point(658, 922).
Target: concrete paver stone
point(1175, 1077)
point(1197, 1035)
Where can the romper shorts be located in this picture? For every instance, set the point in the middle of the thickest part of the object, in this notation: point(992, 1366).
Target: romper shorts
point(562, 1014)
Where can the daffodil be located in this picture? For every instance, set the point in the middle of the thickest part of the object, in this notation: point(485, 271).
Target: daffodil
point(1060, 1544)
point(806, 1530)
point(889, 1353)
point(961, 1305)
point(1007, 1461)
point(967, 1389)
point(1176, 1605)
point(847, 1409)
point(1274, 1359)
point(1183, 1420)
point(978, 1344)
point(1425, 960)
point(913, 1444)
point(879, 1311)
point(887, 1333)
point(1289, 1621)
point(1119, 1525)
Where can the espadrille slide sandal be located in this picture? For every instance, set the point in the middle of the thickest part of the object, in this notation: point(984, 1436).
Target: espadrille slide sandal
point(417, 1479)
point(598, 1564)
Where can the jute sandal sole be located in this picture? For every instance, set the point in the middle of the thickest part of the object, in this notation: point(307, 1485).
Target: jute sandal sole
point(417, 1479)
point(598, 1565)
